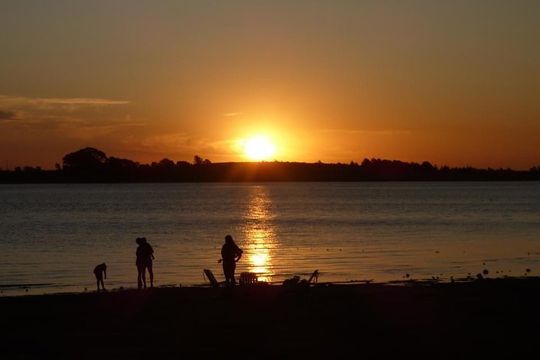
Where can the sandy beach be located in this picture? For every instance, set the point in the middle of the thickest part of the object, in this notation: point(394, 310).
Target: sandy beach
point(451, 320)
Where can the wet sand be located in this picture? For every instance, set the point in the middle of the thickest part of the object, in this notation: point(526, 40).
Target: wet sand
point(478, 319)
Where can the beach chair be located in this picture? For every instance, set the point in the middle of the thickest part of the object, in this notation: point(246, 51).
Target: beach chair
point(314, 277)
point(211, 278)
point(248, 278)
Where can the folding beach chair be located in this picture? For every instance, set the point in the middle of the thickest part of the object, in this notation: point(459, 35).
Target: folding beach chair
point(211, 278)
point(248, 278)
point(314, 277)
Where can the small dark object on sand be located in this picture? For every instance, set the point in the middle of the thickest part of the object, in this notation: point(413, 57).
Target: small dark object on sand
point(528, 270)
point(479, 276)
point(485, 272)
point(407, 276)
point(295, 280)
point(291, 282)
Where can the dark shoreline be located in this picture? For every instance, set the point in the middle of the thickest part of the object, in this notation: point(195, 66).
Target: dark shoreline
point(490, 317)
point(90, 165)
point(267, 181)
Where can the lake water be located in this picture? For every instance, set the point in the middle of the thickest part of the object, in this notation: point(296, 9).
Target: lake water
point(52, 236)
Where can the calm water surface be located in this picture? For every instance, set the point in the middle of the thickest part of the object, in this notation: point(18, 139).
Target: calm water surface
point(52, 236)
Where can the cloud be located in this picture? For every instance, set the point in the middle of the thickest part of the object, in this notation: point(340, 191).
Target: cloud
point(79, 101)
point(74, 118)
point(37, 112)
point(233, 114)
point(37, 101)
point(7, 115)
point(367, 131)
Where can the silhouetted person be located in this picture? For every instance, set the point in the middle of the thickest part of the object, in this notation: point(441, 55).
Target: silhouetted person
point(145, 255)
point(100, 271)
point(230, 254)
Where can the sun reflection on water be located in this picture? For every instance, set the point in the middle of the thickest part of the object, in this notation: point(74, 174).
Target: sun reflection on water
point(259, 233)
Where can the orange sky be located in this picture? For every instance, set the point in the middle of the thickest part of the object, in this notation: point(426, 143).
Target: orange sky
point(450, 82)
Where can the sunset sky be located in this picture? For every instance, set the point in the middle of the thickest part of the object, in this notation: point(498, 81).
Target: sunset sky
point(452, 82)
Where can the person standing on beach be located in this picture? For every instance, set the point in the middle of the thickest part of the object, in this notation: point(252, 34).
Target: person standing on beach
point(100, 271)
point(145, 255)
point(230, 254)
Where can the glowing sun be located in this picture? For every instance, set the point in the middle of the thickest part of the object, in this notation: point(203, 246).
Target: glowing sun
point(259, 148)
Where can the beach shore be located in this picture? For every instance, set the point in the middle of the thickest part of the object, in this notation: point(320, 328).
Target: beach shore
point(487, 317)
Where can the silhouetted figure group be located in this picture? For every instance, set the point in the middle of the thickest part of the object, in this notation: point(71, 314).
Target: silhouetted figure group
point(144, 258)
point(230, 254)
point(145, 255)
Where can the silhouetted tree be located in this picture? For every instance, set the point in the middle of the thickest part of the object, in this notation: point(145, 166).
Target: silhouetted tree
point(535, 172)
point(87, 158)
point(197, 160)
point(426, 166)
point(166, 163)
point(90, 164)
point(86, 164)
point(183, 164)
point(122, 169)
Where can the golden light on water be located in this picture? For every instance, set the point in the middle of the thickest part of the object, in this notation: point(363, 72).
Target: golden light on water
point(260, 260)
point(259, 233)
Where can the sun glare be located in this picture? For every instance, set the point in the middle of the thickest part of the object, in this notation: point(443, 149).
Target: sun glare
point(259, 148)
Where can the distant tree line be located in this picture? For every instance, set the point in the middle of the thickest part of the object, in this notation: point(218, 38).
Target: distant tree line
point(93, 165)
